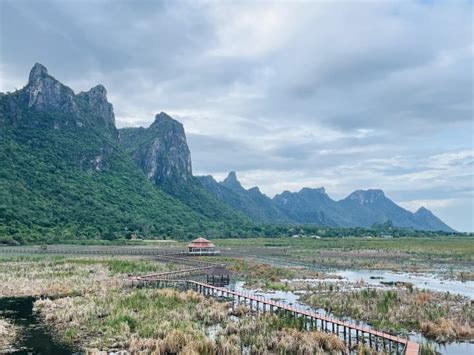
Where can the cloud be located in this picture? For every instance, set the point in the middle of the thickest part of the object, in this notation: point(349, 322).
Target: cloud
point(346, 95)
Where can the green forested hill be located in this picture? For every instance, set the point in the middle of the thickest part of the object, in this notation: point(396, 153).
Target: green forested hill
point(162, 153)
point(64, 175)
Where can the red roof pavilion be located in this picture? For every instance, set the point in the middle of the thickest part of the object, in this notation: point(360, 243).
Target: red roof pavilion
point(201, 246)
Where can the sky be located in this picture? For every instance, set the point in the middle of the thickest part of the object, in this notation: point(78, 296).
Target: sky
point(346, 95)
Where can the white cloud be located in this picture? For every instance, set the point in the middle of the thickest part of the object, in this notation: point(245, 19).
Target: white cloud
point(345, 95)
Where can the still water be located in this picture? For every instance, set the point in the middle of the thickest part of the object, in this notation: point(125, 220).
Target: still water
point(292, 298)
point(427, 281)
point(34, 336)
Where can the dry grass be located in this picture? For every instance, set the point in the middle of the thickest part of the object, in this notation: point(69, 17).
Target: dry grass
point(440, 316)
point(132, 319)
point(8, 334)
point(443, 330)
point(168, 321)
point(58, 276)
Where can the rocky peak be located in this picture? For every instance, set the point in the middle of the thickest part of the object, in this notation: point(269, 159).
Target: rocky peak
point(37, 73)
point(255, 191)
point(161, 150)
point(98, 105)
point(423, 211)
point(45, 93)
point(163, 117)
point(231, 182)
point(366, 196)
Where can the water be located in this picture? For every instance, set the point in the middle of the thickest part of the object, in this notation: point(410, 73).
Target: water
point(424, 281)
point(292, 298)
point(34, 336)
point(430, 281)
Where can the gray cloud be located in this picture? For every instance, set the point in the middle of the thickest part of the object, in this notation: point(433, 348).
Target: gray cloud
point(290, 94)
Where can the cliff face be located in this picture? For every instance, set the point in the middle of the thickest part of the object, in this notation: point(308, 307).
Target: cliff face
point(45, 94)
point(160, 150)
point(63, 172)
point(162, 153)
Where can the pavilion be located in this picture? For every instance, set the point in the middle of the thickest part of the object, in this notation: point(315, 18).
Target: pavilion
point(201, 246)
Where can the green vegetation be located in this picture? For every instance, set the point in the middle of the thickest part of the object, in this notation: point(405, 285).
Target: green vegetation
point(404, 254)
point(168, 321)
point(461, 247)
point(73, 183)
point(93, 309)
point(66, 276)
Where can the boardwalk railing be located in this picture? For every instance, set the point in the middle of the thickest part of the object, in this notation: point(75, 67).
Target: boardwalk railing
point(347, 331)
point(351, 334)
point(176, 274)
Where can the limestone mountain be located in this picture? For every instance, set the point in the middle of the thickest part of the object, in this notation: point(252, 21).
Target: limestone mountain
point(428, 220)
point(162, 153)
point(372, 206)
point(252, 202)
point(67, 172)
point(362, 208)
point(312, 205)
point(64, 174)
point(160, 150)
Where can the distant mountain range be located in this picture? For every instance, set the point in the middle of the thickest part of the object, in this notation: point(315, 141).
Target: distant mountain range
point(66, 170)
point(362, 208)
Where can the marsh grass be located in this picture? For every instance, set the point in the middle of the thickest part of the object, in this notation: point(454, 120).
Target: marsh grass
point(8, 334)
point(266, 276)
point(440, 316)
point(165, 321)
point(398, 254)
point(61, 276)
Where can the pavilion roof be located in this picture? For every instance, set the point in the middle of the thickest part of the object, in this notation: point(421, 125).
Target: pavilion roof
point(200, 243)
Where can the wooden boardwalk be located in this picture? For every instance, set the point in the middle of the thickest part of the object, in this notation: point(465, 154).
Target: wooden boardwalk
point(351, 334)
point(313, 320)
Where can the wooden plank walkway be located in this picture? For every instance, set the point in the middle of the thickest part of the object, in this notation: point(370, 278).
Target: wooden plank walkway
point(345, 330)
point(375, 338)
point(177, 276)
point(173, 274)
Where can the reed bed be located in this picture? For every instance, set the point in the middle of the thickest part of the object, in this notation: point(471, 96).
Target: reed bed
point(269, 277)
point(440, 316)
point(165, 321)
point(59, 276)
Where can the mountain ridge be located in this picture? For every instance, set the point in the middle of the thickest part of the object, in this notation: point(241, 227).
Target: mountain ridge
point(64, 174)
point(65, 169)
point(361, 208)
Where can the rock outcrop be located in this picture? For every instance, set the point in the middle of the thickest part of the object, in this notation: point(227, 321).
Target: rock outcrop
point(160, 150)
